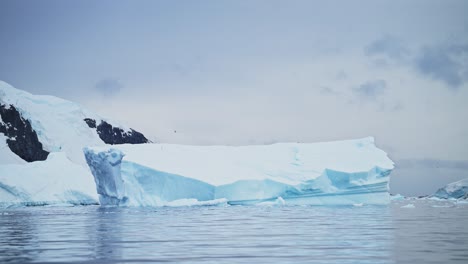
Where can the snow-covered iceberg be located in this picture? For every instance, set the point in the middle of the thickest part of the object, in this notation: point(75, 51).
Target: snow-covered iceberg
point(341, 172)
point(56, 180)
point(454, 190)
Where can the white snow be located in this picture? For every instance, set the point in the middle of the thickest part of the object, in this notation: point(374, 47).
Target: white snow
point(6, 156)
point(277, 162)
point(59, 123)
point(341, 172)
point(64, 177)
point(397, 197)
point(56, 180)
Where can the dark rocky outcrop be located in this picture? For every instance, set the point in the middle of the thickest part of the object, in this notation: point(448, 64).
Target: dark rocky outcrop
point(115, 135)
point(22, 139)
point(90, 122)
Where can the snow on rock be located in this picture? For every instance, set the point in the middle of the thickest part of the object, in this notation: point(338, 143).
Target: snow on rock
point(41, 148)
point(56, 180)
point(57, 124)
point(21, 138)
point(454, 190)
point(342, 172)
point(6, 155)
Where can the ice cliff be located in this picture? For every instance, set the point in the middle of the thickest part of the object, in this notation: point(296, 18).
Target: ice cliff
point(454, 190)
point(341, 172)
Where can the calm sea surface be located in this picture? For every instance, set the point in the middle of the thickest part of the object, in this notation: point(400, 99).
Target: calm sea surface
point(431, 232)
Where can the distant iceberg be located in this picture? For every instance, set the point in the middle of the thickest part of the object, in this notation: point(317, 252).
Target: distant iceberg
point(330, 173)
point(397, 197)
point(454, 190)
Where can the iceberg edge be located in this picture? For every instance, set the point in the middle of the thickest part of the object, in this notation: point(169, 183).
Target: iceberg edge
point(299, 179)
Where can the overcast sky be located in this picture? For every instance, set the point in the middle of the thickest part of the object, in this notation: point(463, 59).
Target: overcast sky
point(255, 72)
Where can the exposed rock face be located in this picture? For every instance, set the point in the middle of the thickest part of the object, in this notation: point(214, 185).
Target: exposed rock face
point(33, 125)
point(115, 135)
point(22, 139)
point(90, 122)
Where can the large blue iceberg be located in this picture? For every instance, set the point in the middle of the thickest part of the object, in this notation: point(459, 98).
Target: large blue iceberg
point(329, 173)
point(454, 190)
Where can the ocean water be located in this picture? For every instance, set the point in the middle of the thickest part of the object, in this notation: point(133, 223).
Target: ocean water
point(427, 232)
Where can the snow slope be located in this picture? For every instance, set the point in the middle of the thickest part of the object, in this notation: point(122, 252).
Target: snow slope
point(58, 123)
point(47, 124)
point(54, 181)
point(342, 172)
point(6, 156)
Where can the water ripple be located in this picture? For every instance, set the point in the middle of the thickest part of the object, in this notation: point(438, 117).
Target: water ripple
point(236, 234)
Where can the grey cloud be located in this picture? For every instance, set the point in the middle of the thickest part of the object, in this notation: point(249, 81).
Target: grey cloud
point(389, 46)
point(433, 163)
point(371, 90)
point(380, 63)
point(427, 174)
point(341, 75)
point(391, 106)
point(444, 63)
point(397, 107)
point(109, 86)
point(325, 90)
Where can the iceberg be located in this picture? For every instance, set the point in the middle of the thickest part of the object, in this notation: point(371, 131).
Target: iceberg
point(56, 180)
point(329, 173)
point(397, 197)
point(454, 190)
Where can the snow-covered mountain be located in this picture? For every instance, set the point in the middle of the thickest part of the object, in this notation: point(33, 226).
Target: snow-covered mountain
point(41, 148)
point(32, 126)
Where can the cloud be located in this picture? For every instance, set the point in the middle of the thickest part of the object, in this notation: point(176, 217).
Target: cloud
point(392, 106)
point(433, 164)
point(427, 174)
point(388, 46)
point(325, 90)
point(444, 63)
point(109, 86)
point(341, 75)
point(371, 90)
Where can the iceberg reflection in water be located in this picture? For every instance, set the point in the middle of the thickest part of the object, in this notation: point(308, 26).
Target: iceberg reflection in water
point(237, 234)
